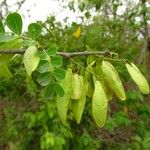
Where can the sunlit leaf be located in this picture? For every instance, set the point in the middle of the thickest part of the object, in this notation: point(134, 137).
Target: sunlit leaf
point(31, 59)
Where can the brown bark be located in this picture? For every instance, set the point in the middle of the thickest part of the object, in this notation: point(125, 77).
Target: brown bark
point(144, 50)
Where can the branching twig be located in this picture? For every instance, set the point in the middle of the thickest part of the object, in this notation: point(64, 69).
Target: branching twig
point(85, 53)
point(64, 54)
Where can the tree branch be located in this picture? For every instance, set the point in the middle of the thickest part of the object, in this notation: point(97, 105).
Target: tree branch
point(85, 53)
point(63, 54)
point(15, 51)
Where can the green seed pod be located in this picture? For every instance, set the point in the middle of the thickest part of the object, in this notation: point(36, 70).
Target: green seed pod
point(78, 106)
point(89, 81)
point(112, 79)
point(138, 78)
point(107, 90)
point(63, 102)
point(77, 87)
point(98, 71)
point(90, 89)
point(99, 105)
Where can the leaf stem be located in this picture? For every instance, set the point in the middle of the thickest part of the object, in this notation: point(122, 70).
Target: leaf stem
point(84, 67)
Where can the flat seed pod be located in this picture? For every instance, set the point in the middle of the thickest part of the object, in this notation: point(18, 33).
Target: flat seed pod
point(98, 71)
point(78, 106)
point(62, 102)
point(90, 89)
point(77, 86)
point(99, 105)
point(138, 78)
point(107, 90)
point(89, 81)
point(112, 79)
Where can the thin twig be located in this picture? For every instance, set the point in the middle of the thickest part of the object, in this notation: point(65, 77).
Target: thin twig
point(51, 33)
point(84, 68)
point(113, 59)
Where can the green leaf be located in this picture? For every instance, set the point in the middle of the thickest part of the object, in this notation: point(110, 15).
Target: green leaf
point(58, 89)
point(44, 66)
point(59, 74)
point(34, 30)
point(4, 71)
point(2, 29)
point(29, 43)
point(14, 23)
point(31, 59)
point(44, 79)
point(7, 38)
point(56, 61)
point(12, 44)
point(43, 55)
point(4, 58)
point(49, 90)
point(52, 51)
point(54, 87)
point(47, 141)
